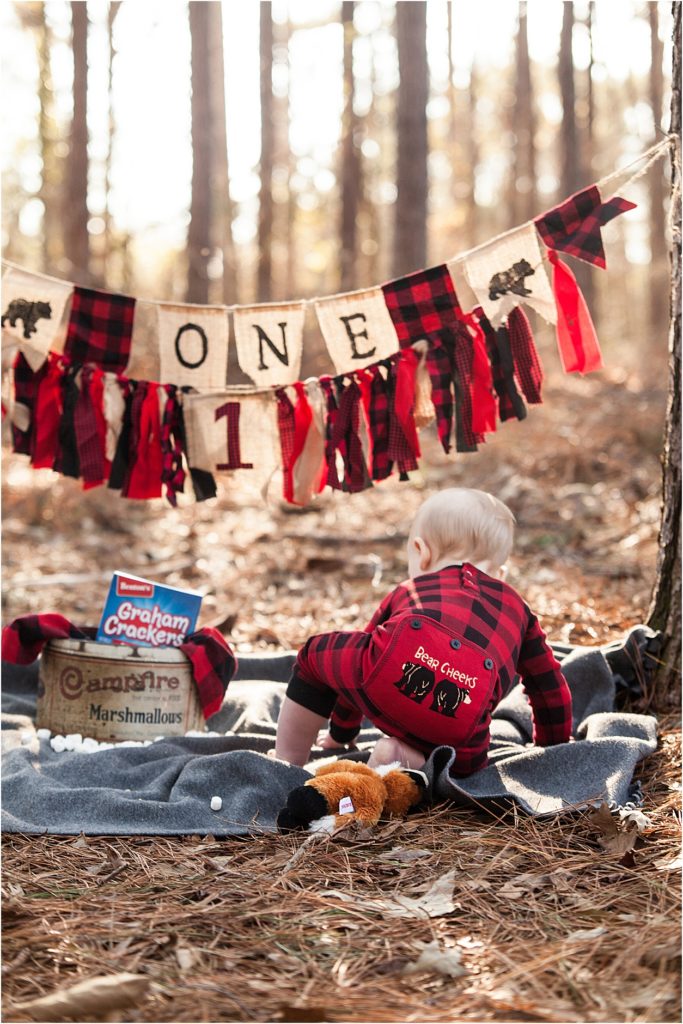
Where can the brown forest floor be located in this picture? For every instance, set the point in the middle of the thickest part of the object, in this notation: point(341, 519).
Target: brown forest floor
point(548, 924)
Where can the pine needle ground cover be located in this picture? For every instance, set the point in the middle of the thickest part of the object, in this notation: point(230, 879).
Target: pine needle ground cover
point(454, 914)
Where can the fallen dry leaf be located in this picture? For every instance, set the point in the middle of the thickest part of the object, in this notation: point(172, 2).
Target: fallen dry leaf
point(87, 999)
point(585, 934)
point(602, 818)
point(436, 902)
point(403, 855)
point(185, 957)
point(439, 960)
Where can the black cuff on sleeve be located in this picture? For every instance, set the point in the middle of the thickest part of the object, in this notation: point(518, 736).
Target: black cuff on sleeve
point(343, 734)
point(319, 701)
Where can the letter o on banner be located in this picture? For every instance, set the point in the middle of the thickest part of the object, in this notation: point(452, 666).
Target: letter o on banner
point(193, 345)
point(204, 346)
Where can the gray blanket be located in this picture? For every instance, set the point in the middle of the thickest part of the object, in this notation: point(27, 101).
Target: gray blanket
point(166, 788)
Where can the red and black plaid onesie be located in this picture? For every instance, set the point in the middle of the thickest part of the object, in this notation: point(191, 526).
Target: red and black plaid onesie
point(439, 654)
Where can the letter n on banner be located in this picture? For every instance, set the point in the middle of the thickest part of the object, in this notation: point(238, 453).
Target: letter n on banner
point(193, 345)
point(269, 342)
point(357, 329)
point(233, 429)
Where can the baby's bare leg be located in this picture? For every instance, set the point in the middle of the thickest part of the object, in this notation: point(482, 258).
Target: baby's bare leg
point(389, 749)
point(297, 728)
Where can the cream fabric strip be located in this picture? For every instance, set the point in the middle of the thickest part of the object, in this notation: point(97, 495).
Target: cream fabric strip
point(270, 341)
point(193, 345)
point(113, 405)
point(309, 468)
point(510, 272)
point(33, 310)
point(357, 328)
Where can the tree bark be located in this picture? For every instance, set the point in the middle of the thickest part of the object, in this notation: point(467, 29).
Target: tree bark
point(665, 608)
point(572, 176)
point(221, 202)
point(50, 174)
point(410, 236)
point(350, 162)
point(264, 279)
point(524, 127)
point(199, 231)
point(659, 285)
point(75, 210)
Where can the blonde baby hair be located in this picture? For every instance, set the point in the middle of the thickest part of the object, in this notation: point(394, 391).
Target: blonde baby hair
point(466, 525)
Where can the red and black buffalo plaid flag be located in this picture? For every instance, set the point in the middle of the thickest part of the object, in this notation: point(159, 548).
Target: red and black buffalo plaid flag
point(574, 226)
point(421, 303)
point(213, 660)
point(100, 329)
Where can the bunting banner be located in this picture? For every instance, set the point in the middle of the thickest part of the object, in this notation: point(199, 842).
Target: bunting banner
point(509, 272)
point(135, 395)
point(193, 345)
point(357, 328)
point(33, 308)
point(233, 429)
point(270, 342)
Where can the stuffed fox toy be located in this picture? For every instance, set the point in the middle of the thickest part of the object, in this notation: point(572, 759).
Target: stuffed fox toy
point(346, 791)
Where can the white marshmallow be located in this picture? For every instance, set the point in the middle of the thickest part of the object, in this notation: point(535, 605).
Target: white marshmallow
point(58, 743)
point(43, 734)
point(216, 803)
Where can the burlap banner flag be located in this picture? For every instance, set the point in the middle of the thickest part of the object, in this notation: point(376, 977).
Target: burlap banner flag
point(509, 272)
point(270, 341)
point(357, 328)
point(233, 429)
point(32, 312)
point(193, 345)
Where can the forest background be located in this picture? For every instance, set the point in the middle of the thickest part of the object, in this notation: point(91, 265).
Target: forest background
point(245, 151)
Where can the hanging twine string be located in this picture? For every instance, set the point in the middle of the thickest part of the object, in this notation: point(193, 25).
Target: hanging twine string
point(651, 155)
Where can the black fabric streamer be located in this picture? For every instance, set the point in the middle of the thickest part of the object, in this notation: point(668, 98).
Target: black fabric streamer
point(120, 463)
point(66, 461)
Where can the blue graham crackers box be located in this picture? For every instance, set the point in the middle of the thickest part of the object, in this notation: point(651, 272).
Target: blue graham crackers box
point(142, 613)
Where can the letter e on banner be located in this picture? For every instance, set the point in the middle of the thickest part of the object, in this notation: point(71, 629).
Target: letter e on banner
point(193, 345)
point(269, 342)
point(357, 328)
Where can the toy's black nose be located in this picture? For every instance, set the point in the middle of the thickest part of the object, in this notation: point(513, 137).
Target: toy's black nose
point(304, 805)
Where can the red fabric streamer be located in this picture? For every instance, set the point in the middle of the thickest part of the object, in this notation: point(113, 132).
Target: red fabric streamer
point(404, 397)
point(484, 404)
point(576, 338)
point(145, 474)
point(47, 415)
point(294, 422)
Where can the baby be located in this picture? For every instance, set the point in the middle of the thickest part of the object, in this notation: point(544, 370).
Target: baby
point(438, 655)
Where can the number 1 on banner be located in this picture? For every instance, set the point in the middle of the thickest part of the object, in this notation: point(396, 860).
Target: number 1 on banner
point(231, 411)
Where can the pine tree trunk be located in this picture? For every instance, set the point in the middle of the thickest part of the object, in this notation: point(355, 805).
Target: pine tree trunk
point(75, 210)
point(264, 279)
point(350, 162)
point(221, 202)
point(659, 285)
point(665, 608)
point(524, 205)
point(199, 231)
point(410, 237)
point(50, 173)
point(571, 171)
